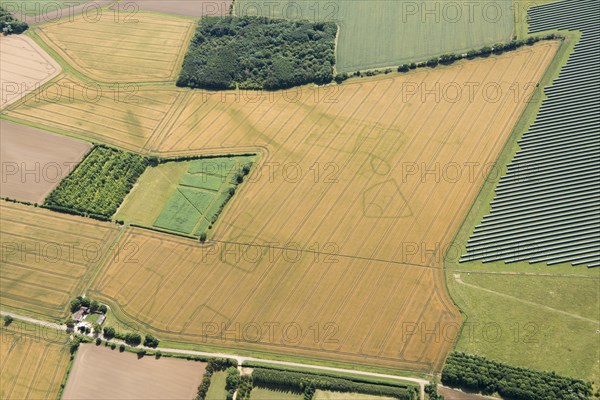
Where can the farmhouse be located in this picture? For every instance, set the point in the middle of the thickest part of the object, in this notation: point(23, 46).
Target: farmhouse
point(80, 314)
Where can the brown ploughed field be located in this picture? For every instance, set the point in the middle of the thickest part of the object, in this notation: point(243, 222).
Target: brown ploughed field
point(34, 162)
point(101, 373)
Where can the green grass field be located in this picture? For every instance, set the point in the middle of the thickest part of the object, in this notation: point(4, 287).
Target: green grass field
point(152, 191)
point(524, 301)
point(325, 395)
point(382, 33)
point(546, 323)
point(183, 196)
point(216, 390)
point(268, 394)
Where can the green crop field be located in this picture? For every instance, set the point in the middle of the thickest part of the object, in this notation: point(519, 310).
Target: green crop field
point(152, 191)
point(268, 394)
point(202, 193)
point(99, 184)
point(382, 33)
point(184, 196)
point(326, 395)
point(547, 323)
point(216, 390)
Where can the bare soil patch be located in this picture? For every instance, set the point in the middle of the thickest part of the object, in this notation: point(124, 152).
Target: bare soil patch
point(190, 8)
point(99, 372)
point(34, 161)
point(24, 66)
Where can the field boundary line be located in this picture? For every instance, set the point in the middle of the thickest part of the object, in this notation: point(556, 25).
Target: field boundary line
point(517, 273)
point(357, 257)
point(101, 264)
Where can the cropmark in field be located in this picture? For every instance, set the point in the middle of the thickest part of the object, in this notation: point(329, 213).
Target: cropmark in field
point(47, 258)
point(122, 115)
point(33, 360)
point(115, 45)
point(365, 225)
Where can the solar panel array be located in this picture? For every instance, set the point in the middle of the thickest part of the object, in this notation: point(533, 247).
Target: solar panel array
point(547, 206)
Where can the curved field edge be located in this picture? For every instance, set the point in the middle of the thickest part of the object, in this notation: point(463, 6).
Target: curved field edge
point(526, 318)
point(85, 74)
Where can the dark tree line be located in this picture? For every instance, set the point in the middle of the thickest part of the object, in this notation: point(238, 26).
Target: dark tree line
point(10, 24)
point(259, 53)
point(512, 383)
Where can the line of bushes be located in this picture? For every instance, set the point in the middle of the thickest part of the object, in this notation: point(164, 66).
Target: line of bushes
point(479, 374)
point(10, 24)
point(353, 378)
point(155, 160)
point(447, 59)
point(215, 365)
point(308, 383)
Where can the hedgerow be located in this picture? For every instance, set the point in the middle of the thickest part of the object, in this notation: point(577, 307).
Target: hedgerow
point(10, 24)
point(307, 383)
point(259, 53)
point(512, 383)
point(99, 184)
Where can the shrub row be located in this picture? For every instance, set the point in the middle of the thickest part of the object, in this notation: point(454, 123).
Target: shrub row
point(307, 383)
point(512, 383)
point(353, 378)
point(244, 388)
point(161, 160)
point(448, 59)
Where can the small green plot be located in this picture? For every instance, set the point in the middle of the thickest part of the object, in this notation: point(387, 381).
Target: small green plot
point(201, 194)
point(179, 214)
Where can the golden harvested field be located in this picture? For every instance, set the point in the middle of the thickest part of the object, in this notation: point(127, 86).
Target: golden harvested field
point(317, 305)
point(385, 222)
point(124, 46)
point(101, 373)
point(23, 67)
point(33, 361)
point(374, 170)
point(123, 116)
point(47, 258)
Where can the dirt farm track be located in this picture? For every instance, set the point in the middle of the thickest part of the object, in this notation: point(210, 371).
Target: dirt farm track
point(99, 372)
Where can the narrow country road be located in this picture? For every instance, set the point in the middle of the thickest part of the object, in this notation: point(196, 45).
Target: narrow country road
point(242, 359)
